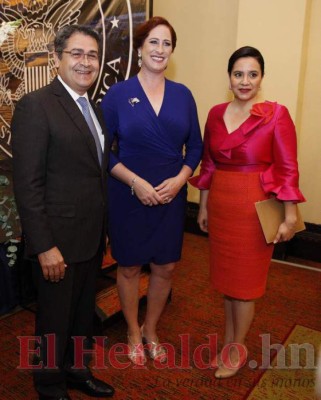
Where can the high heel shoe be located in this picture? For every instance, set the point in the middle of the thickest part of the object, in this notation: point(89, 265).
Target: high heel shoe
point(136, 352)
point(154, 349)
point(227, 369)
point(217, 361)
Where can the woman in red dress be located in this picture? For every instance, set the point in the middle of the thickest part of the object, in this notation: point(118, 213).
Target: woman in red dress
point(249, 155)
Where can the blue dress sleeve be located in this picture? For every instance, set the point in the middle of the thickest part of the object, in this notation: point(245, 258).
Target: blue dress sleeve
point(110, 112)
point(204, 179)
point(194, 144)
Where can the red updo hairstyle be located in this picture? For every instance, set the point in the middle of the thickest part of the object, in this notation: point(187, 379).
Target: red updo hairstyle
point(143, 30)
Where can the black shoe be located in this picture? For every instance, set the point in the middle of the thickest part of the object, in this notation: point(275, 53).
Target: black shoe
point(92, 387)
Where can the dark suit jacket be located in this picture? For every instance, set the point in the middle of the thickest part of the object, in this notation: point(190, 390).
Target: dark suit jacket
point(60, 187)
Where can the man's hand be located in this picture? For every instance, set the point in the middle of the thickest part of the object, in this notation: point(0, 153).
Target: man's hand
point(52, 264)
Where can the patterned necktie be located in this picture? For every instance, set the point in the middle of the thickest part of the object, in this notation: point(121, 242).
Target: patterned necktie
point(86, 113)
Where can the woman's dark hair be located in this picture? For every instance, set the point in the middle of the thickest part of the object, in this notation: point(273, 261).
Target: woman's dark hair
point(143, 30)
point(246, 51)
point(62, 36)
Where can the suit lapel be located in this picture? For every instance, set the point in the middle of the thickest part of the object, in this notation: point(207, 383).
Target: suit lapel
point(76, 116)
point(102, 124)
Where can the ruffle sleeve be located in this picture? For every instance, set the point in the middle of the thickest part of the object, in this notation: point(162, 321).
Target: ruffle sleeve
point(203, 180)
point(282, 177)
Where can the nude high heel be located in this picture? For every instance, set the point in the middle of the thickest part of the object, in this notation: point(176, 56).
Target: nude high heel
point(136, 352)
point(154, 349)
point(217, 361)
point(227, 369)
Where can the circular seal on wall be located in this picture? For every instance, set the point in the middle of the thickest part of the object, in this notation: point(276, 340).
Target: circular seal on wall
point(116, 24)
point(27, 32)
point(26, 52)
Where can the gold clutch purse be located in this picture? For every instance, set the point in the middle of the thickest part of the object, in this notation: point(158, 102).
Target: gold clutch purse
point(271, 214)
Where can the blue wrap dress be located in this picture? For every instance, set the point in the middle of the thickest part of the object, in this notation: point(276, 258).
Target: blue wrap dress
point(154, 147)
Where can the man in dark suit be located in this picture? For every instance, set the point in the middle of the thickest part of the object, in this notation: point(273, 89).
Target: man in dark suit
point(59, 169)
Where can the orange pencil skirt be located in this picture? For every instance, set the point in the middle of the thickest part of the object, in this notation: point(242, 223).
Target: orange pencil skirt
point(239, 255)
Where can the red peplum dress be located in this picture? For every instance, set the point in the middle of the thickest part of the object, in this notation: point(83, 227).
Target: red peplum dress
point(256, 161)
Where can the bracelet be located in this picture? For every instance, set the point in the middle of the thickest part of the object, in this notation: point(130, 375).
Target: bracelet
point(132, 186)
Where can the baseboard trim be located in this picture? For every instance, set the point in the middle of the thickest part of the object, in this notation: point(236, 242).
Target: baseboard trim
point(305, 245)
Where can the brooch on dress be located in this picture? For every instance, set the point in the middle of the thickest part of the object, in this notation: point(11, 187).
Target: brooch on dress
point(133, 100)
point(264, 110)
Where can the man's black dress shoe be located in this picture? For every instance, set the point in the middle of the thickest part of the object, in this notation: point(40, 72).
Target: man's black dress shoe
point(92, 387)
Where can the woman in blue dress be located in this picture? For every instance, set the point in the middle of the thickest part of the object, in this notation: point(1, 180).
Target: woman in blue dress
point(154, 122)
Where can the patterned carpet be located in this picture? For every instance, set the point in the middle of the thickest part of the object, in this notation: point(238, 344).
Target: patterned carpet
point(292, 373)
point(293, 297)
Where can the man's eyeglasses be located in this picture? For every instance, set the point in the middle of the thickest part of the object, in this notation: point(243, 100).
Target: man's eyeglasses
point(80, 55)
